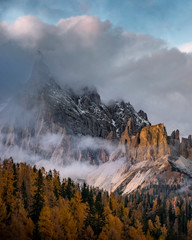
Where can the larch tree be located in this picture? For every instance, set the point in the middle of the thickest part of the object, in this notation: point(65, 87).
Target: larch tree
point(78, 210)
point(46, 226)
point(68, 225)
point(189, 230)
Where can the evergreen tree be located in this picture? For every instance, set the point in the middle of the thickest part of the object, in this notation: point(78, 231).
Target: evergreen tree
point(85, 193)
point(38, 198)
point(63, 185)
point(24, 195)
point(56, 184)
point(69, 191)
point(46, 226)
point(14, 179)
point(100, 217)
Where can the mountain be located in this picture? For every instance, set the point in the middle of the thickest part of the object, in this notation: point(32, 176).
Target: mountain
point(48, 123)
point(147, 158)
point(44, 110)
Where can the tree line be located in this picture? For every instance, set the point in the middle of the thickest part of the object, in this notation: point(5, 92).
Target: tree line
point(35, 204)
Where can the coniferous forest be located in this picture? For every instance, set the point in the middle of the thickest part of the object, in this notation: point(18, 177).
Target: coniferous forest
point(35, 204)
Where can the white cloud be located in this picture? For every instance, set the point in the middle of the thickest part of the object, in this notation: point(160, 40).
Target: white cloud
point(186, 47)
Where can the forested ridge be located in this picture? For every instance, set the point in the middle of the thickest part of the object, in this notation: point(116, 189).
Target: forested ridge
point(35, 204)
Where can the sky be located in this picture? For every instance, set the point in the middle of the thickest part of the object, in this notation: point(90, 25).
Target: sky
point(138, 50)
point(167, 19)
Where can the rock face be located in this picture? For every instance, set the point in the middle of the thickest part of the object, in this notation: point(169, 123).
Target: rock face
point(186, 147)
point(153, 142)
point(183, 148)
point(121, 112)
point(150, 143)
point(174, 143)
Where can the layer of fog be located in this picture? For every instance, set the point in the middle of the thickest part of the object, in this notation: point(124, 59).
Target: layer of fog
point(72, 168)
point(75, 170)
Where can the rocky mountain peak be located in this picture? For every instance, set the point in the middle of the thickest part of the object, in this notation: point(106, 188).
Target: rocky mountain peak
point(40, 73)
point(175, 135)
point(174, 142)
point(186, 147)
point(48, 108)
point(149, 143)
point(92, 95)
point(143, 115)
point(180, 148)
point(153, 141)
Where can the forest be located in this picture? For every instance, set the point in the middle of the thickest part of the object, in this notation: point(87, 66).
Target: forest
point(36, 204)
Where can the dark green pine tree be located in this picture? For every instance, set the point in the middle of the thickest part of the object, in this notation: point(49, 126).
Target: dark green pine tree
point(100, 211)
point(15, 179)
point(145, 222)
point(49, 175)
point(38, 199)
point(38, 202)
point(91, 201)
point(91, 217)
point(57, 187)
point(24, 195)
point(69, 190)
point(85, 193)
point(63, 185)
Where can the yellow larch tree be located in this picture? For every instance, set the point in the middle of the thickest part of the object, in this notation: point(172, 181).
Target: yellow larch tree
point(46, 227)
point(21, 226)
point(68, 225)
point(78, 210)
point(113, 228)
point(189, 230)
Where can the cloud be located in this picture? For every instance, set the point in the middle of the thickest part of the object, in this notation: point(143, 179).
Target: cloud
point(186, 47)
point(79, 50)
point(87, 51)
point(44, 151)
point(76, 170)
point(48, 146)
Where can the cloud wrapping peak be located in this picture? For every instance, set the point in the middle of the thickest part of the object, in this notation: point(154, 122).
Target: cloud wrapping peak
point(87, 51)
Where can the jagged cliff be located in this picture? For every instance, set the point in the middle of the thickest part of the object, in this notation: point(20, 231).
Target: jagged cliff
point(148, 144)
point(180, 148)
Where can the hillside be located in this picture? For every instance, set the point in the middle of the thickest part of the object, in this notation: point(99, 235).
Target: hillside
point(36, 204)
